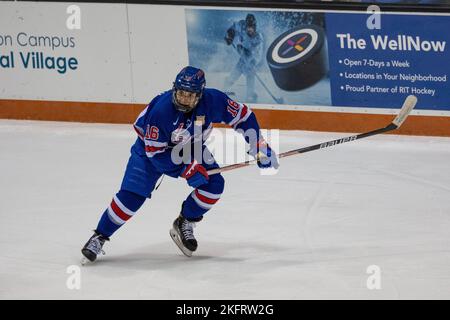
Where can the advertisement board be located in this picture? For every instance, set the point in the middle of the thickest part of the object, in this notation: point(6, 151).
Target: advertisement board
point(323, 59)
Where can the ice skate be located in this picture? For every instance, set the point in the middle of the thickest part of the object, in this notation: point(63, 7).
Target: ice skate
point(93, 248)
point(182, 234)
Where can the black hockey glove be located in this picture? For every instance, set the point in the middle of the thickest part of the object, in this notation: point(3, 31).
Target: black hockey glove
point(230, 36)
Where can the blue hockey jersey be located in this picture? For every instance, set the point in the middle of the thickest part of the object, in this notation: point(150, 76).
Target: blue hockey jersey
point(161, 127)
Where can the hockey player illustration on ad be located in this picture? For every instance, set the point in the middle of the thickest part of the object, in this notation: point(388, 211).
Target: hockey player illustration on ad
point(262, 57)
point(169, 121)
point(244, 37)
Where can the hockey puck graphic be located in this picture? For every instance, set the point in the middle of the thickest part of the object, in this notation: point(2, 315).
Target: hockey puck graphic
point(298, 58)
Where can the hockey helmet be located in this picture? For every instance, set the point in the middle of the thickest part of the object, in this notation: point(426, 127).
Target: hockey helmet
point(250, 24)
point(188, 88)
point(250, 20)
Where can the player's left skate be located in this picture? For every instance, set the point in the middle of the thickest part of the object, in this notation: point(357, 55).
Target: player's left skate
point(182, 234)
point(93, 248)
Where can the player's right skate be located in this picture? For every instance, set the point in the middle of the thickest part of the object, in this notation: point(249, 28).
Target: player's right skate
point(93, 248)
point(182, 234)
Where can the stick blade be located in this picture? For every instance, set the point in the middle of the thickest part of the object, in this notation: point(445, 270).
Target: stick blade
point(408, 105)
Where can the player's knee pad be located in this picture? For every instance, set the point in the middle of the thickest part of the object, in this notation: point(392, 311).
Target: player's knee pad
point(203, 198)
point(131, 200)
point(124, 205)
point(215, 185)
point(207, 195)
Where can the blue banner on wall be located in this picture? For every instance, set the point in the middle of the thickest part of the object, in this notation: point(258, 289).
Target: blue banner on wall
point(409, 54)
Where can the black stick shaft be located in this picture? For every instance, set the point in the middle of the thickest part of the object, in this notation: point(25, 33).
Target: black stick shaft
point(408, 105)
point(338, 141)
point(277, 100)
point(322, 145)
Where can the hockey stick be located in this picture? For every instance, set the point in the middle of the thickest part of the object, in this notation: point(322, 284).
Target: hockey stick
point(277, 100)
point(408, 105)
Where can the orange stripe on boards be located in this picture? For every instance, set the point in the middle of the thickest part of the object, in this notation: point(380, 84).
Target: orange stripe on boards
point(269, 119)
point(100, 112)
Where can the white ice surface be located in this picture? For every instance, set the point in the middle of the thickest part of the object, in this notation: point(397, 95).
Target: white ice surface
point(309, 232)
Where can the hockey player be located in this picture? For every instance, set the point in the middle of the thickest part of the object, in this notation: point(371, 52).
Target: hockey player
point(249, 45)
point(170, 123)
